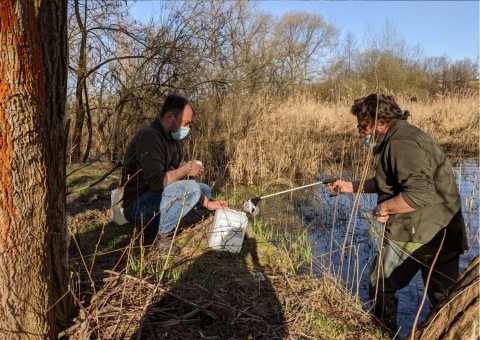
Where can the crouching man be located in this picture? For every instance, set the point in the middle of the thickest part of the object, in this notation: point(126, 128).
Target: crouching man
point(159, 188)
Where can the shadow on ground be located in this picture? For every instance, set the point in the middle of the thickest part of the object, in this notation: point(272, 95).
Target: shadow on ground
point(221, 295)
point(95, 198)
point(98, 246)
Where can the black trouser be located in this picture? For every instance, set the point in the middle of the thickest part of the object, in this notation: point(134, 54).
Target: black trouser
point(394, 267)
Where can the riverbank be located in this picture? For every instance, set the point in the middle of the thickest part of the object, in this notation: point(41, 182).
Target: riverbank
point(266, 291)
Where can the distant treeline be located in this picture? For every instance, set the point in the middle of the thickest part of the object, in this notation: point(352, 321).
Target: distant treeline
point(120, 69)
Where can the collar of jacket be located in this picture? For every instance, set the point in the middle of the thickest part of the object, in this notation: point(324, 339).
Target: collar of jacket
point(156, 124)
point(394, 129)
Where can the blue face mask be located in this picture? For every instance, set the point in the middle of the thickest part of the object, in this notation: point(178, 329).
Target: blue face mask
point(368, 142)
point(181, 133)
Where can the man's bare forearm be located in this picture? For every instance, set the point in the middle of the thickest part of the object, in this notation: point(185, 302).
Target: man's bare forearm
point(395, 205)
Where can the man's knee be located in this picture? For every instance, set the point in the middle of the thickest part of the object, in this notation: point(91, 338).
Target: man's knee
point(185, 188)
point(205, 190)
point(194, 191)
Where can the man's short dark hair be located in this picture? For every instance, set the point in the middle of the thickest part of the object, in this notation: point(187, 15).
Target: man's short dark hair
point(174, 103)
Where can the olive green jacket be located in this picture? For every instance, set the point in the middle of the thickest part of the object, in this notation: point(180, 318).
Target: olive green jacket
point(412, 165)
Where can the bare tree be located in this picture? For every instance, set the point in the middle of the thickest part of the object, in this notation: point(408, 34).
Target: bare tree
point(387, 62)
point(302, 40)
point(439, 69)
point(462, 72)
point(207, 21)
point(341, 76)
point(251, 56)
point(91, 23)
point(33, 229)
point(129, 90)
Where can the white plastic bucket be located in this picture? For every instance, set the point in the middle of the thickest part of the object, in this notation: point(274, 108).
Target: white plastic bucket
point(228, 230)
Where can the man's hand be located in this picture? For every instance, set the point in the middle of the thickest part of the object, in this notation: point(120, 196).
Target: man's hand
point(379, 216)
point(214, 205)
point(343, 185)
point(195, 168)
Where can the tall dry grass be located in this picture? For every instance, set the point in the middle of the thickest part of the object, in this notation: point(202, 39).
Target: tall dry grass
point(262, 139)
point(453, 122)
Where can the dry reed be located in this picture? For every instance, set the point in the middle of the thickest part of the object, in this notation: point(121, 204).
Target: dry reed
point(261, 138)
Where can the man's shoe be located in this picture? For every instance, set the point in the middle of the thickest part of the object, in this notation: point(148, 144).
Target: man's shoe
point(162, 244)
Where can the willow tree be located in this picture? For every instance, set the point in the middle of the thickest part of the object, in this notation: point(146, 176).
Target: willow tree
point(33, 231)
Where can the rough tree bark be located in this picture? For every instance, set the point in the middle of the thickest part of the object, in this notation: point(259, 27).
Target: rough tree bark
point(33, 229)
point(457, 316)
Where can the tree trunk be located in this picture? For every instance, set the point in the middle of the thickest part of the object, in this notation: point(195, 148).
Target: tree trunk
point(81, 78)
point(89, 125)
point(33, 229)
point(457, 315)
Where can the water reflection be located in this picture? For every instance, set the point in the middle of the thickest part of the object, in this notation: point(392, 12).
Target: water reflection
point(336, 226)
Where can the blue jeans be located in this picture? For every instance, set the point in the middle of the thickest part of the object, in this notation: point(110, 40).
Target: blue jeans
point(155, 212)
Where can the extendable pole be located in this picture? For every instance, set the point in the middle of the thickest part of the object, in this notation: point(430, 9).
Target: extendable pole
point(255, 200)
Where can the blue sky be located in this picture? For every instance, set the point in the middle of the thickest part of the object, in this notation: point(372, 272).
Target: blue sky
point(439, 27)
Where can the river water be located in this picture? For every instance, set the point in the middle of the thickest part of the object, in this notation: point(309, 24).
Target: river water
point(332, 225)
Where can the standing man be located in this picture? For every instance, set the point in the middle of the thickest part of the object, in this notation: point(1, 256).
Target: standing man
point(158, 188)
point(417, 200)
